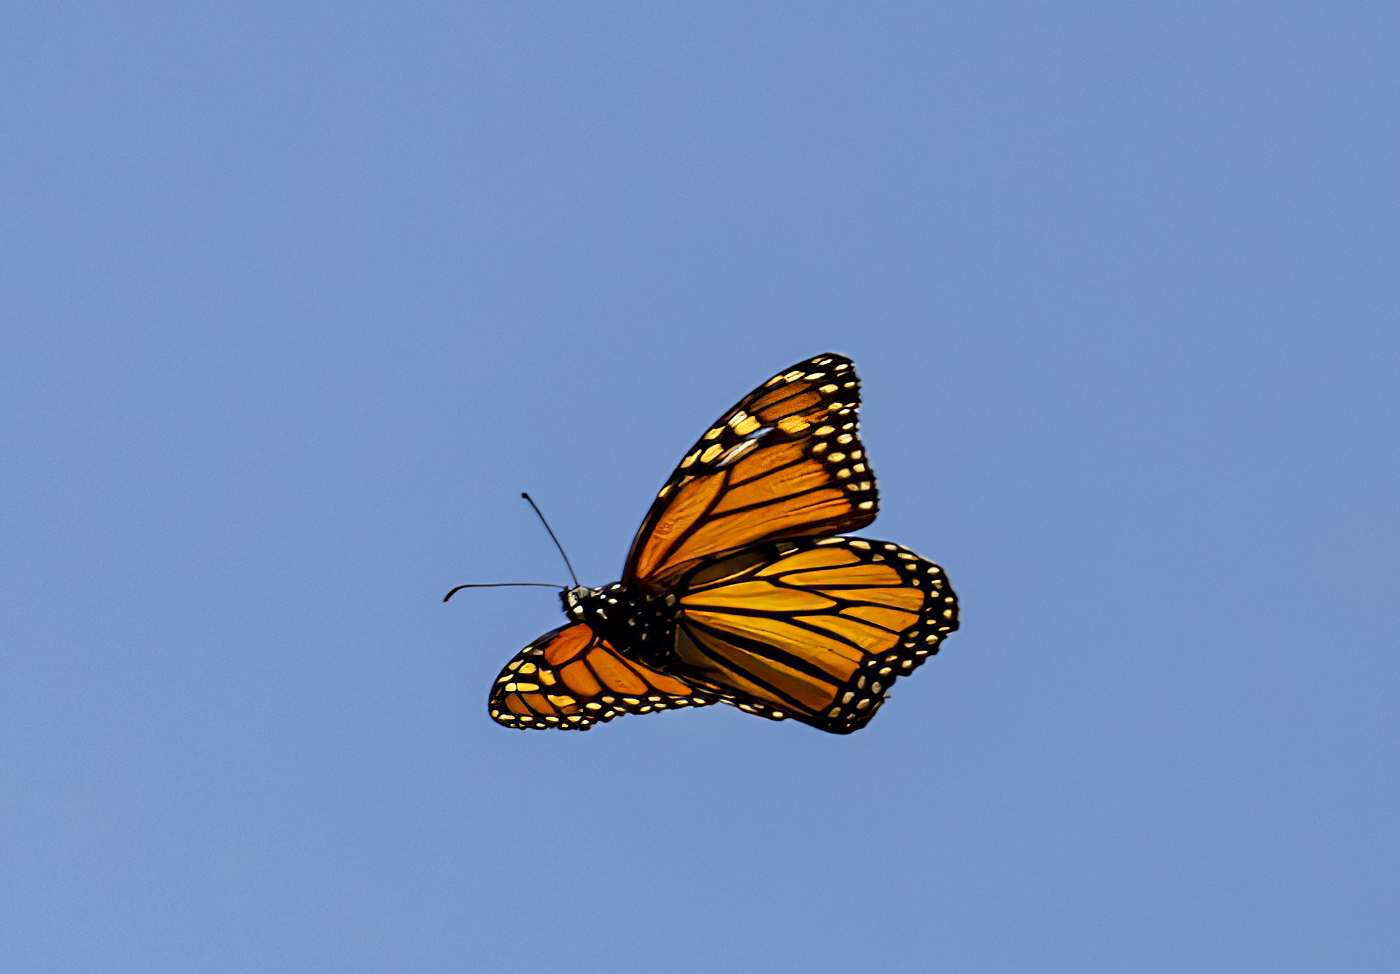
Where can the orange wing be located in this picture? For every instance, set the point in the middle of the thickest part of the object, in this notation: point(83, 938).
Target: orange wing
point(785, 462)
point(812, 629)
point(571, 679)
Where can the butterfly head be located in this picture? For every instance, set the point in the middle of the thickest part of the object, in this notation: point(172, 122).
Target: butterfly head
point(575, 601)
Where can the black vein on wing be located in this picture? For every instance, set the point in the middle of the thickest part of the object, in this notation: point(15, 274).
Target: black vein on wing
point(696, 524)
point(784, 497)
point(763, 651)
point(757, 647)
point(772, 470)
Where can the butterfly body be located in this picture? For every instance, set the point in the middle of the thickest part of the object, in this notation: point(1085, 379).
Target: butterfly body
point(741, 586)
point(638, 624)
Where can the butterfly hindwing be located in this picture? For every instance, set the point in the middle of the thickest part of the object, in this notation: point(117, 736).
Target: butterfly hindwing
point(786, 461)
point(816, 629)
point(571, 679)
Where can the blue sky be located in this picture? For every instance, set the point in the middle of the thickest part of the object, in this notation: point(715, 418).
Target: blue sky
point(297, 297)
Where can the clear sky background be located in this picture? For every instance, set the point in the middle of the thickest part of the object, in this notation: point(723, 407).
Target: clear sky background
point(297, 297)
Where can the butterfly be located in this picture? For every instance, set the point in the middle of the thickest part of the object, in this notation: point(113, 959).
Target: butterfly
point(741, 586)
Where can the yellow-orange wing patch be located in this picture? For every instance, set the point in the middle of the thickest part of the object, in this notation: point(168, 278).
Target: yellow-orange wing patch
point(816, 629)
point(787, 461)
point(570, 679)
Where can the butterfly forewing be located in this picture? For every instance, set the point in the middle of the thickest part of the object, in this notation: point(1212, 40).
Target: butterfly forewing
point(812, 629)
point(787, 461)
point(571, 679)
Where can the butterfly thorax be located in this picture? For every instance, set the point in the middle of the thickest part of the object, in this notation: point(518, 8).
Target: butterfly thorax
point(639, 625)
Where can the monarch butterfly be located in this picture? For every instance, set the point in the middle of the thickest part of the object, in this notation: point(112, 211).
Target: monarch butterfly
point(740, 586)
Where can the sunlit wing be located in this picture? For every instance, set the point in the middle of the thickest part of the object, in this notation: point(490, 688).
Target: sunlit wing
point(785, 462)
point(815, 629)
point(571, 679)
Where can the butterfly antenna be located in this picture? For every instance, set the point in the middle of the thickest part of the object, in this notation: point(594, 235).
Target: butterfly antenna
point(499, 585)
point(551, 535)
